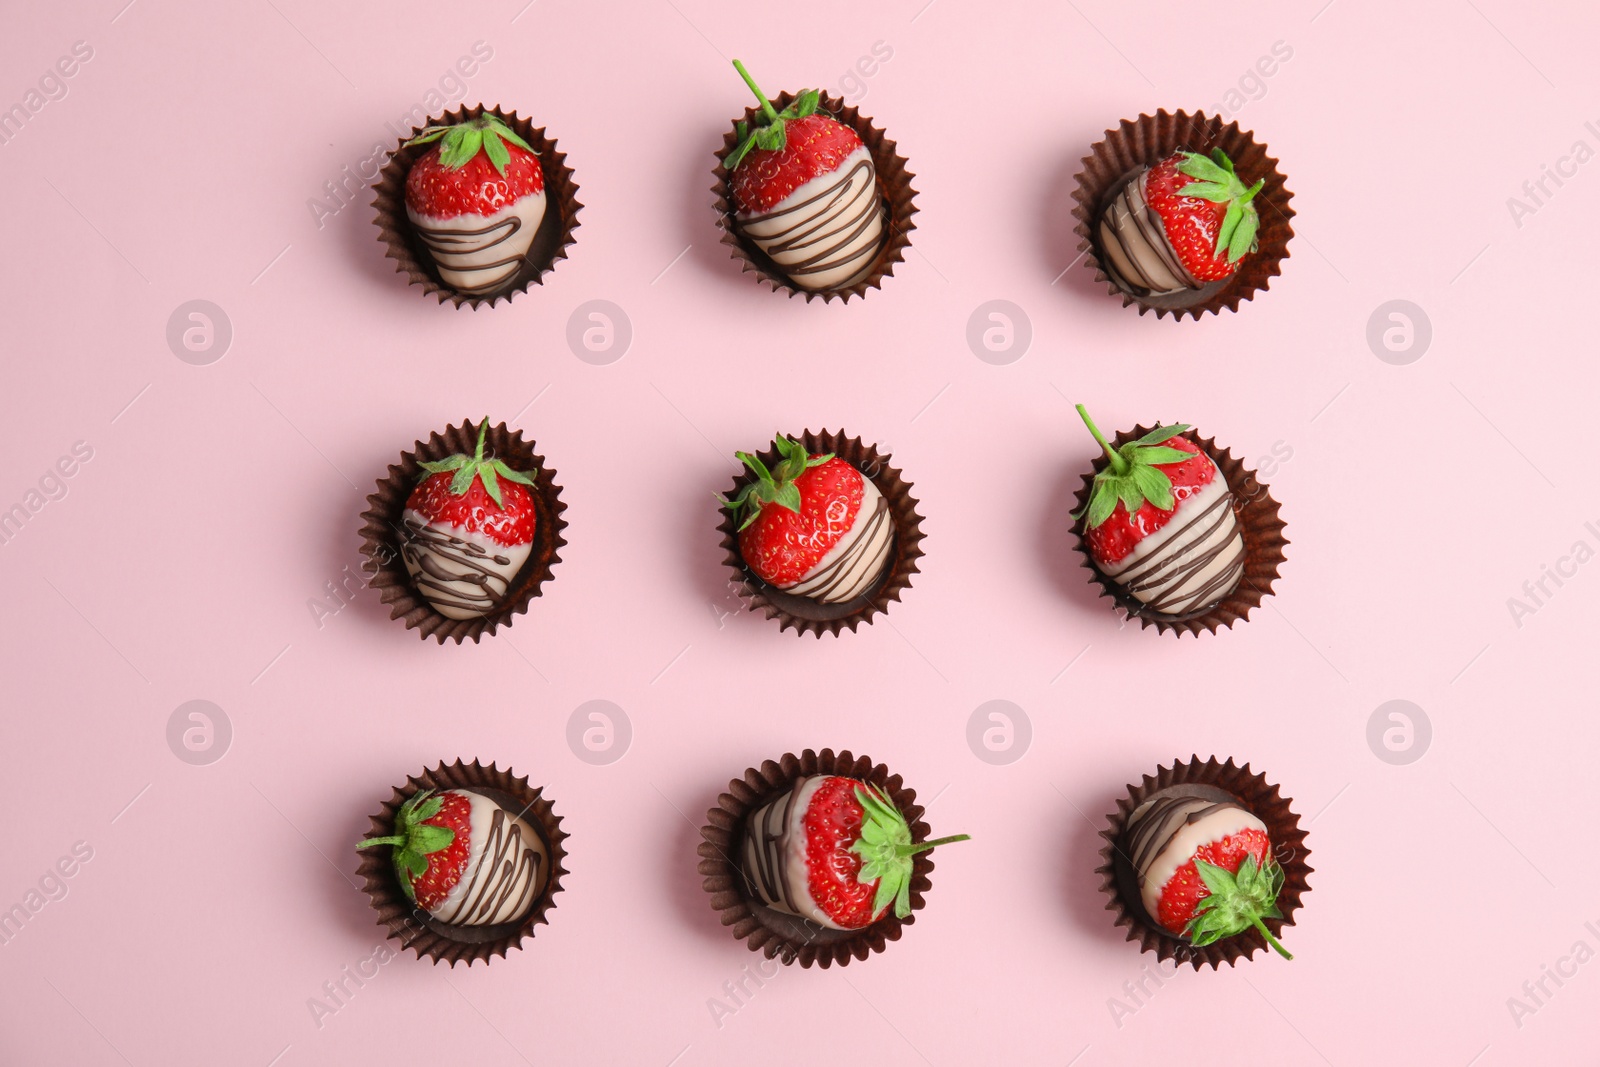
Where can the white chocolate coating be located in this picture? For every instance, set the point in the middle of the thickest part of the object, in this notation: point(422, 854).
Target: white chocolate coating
point(1196, 559)
point(478, 254)
point(506, 870)
point(857, 559)
point(1184, 826)
point(775, 854)
point(463, 574)
point(826, 234)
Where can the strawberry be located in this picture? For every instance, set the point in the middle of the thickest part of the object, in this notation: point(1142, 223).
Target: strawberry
point(833, 850)
point(1210, 221)
point(476, 199)
point(1160, 522)
point(812, 525)
point(1181, 224)
point(1205, 867)
point(468, 529)
point(463, 859)
point(805, 190)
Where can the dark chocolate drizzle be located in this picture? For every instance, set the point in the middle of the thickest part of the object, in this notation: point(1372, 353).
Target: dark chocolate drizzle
point(851, 210)
point(444, 244)
point(1170, 566)
point(1163, 820)
point(1146, 228)
point(425, 547)
point(766, 860)
point(823, 585)
point(506, 866)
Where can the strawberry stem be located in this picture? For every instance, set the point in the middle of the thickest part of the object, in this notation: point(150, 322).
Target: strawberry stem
point(912, 850)
point(369, 842)
point(1270, 939)
point(1118, 464)
point(766, 105)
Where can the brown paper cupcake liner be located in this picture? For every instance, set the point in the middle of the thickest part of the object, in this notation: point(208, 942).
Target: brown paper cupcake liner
point(1145, 143)
point(894, 184)
point(382, 532)
point(801, 613)
point(445, 942)
point(1120, 884)
point(550, 243)
point(776, 934)
point(1257, 515)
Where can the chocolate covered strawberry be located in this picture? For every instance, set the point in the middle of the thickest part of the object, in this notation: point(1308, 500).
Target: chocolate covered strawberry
point(1181, 224)
point(468, 529)
point(464, 859)
point(812, 525)
point(1205, 866)
point(806, 192)
point(476, 198)
point(833, 850)
point(1160, 522)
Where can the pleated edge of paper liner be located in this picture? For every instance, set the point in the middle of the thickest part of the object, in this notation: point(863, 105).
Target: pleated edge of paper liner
point(724, 880)
point(402, 917)
point(1283, 832)
point(1259, 524)
point(894, 186)
point(395, 230)
point(381, 525)
point(1146, 141)
point(908, 536)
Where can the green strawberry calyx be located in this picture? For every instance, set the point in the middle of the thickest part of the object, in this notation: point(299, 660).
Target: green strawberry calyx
point(1237, 902)
point(1130, 475)
point(1215, 181)
point(466, 468)
point(775, 486)
point(462, 141)
point(768, 132)
point(414, 840)
point(885, 848)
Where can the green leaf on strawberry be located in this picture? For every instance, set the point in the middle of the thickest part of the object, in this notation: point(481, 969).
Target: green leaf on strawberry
point(1131, 476)
point(413, 840)
point(775, 486)
point(463, 140)
point(1237, 902)
point(886, 849)
point(769, 131)
point(466, 468)
point(1216, 181)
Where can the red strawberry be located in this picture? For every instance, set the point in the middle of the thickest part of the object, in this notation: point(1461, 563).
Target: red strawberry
point(1174, 567)
point(468, 529)
point(476, 198)
point(805, 189)
point(463, 859)
point(833, 850)
point(1205, 867)
point(1205, 210)
point(813, 525)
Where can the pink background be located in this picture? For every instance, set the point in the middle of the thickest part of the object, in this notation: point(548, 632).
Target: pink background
point(220, 499)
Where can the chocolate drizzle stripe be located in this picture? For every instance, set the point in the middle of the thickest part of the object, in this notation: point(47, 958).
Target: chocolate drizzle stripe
point(824, 584)
point(424, 548)
point(855, 206)
point(1161, 825)
point(504, 867)
point(1132, 226)
point(766, 860)
point(1168, 569)
point(439, 242)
